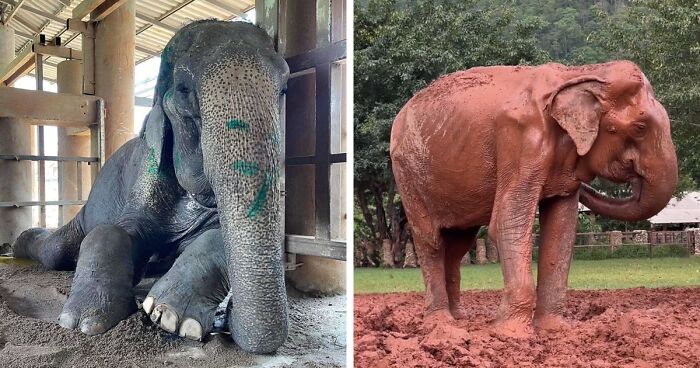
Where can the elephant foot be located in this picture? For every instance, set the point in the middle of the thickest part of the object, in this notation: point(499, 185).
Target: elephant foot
point(458, 313)
point(185, 299)
point(550, 323)
point(102, 294)
point(437, 318)
point(515, 328)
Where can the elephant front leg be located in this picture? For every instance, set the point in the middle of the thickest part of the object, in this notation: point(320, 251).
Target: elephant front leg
point(102, 291)
point(511, 230)
point(558, 219)
point(185, 299)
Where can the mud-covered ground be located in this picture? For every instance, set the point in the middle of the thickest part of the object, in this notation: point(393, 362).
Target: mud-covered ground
point(610, 328)
point(31, 299)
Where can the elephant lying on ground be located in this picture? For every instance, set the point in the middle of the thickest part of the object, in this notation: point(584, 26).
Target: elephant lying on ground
point(200, 181)
point(490, 145)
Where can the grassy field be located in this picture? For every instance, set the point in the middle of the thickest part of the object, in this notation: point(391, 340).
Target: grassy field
point(603, 274)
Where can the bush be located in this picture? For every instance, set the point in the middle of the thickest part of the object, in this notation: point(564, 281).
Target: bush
point(626, 251)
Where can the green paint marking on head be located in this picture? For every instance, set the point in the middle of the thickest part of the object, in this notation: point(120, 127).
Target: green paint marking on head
point(261, 196)
point(177, 159)
point(152, 164)
point(247, 168)
point(238, 124)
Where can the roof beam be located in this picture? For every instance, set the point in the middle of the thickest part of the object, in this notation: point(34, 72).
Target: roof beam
point(97, 9)
point(44, 14)
point(156, 22)
point(18, 67)
point(220, 4)
point(60, 109)
point(13, 11)
point(147, 51)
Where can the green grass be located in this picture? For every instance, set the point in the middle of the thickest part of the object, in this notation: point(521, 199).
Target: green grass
point(603, 274)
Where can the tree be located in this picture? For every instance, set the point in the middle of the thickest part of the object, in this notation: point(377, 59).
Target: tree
point(400, 47)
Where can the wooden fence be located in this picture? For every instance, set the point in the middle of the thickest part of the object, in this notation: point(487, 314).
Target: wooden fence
point(614, 239)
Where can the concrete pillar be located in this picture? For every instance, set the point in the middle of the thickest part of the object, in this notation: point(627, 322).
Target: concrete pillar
point(16, 178)
point(480, 251)
point(114, 74)
point(615, 240)
point(491, 252)
point(694, 235)
point(466, 260)
point(410, 261)
point(72, 141)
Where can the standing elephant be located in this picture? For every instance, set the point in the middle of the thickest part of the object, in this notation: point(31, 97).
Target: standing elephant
point(490, 145)
point(201, 181)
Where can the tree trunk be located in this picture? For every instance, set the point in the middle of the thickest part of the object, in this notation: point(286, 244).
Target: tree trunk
point(466, 260)
point(480, 251)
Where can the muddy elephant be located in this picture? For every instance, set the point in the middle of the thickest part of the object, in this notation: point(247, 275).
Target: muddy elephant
point(201, 181)
point(492, 145)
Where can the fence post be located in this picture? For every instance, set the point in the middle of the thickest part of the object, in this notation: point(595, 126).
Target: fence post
point(491, 252)
point(615, 240)
point(410, 260)
point(696, 241)
point(480, 251)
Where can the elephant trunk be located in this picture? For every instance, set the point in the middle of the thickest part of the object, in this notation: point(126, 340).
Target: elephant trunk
point(241, 152)
point(651, 189)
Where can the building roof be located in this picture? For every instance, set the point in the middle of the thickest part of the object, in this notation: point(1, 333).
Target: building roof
point(686, 210)
point(156, 22)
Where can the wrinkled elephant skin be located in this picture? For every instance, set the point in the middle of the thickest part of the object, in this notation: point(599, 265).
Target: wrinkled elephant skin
point(201, 182)
point(487, 146)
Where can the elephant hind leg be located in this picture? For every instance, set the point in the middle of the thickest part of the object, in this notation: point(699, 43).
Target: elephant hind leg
point(56, 250)
point(432, 264)
point(456, 243)
point(185, 299)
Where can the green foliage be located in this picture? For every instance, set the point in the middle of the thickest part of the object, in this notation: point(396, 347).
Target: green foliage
point(663, 38)
point(401, 46)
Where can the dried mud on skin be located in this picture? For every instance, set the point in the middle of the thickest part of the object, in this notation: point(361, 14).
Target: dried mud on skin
point(610, 328)
point(31, 299)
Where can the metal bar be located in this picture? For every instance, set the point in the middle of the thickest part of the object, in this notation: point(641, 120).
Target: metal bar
point(79, 174)
point(322, 177)
point(323, 55)
point(60, 192)
point(39, 71)
point(311, 160)
point(48, 158)
point(40, 203)
point(307, 245)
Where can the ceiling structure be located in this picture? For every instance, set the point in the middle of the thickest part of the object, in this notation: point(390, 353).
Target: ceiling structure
point(156, 22)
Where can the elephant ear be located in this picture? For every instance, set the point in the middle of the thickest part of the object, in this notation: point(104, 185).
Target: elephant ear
point(154, 132)
point(576, 106)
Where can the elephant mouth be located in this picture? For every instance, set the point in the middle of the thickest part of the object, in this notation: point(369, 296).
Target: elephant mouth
point(635, 184)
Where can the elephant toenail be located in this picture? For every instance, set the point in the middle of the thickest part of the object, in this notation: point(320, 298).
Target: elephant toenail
point(191, 329)
point(168, 321)
point(67, 320)
point(92, 325)
point(148, 304)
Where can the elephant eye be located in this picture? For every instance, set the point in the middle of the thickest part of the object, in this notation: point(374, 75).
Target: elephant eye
point(183, 88)
point(639, 127)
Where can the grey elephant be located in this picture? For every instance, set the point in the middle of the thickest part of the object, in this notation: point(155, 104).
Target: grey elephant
point(200, 182)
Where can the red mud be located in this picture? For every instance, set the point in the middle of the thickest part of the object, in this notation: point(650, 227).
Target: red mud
point(610, 328)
